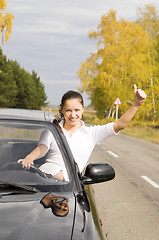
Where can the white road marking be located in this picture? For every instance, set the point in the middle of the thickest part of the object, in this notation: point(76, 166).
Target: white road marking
point(155, 185)
point(113, 154)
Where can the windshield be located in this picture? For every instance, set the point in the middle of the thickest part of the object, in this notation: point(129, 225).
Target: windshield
point(17, 140)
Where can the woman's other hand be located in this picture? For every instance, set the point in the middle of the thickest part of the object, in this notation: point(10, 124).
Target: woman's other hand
point(26, 162)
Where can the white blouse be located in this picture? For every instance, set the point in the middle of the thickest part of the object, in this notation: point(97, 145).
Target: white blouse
point(83, 140)
point(82, 143)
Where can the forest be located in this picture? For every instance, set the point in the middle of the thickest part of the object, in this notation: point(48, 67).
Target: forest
point(19, 88)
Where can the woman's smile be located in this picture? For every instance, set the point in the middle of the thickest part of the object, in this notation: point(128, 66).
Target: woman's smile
point(73, 119)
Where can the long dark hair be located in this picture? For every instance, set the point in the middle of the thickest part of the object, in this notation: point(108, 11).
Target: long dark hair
point(69, 95)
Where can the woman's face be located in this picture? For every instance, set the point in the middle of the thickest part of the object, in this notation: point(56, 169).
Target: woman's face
point(72, 111)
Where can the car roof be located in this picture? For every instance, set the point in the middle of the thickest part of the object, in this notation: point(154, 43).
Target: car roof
point(26, 114)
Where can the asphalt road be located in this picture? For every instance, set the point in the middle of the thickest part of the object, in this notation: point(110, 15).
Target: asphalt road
point(129, 204)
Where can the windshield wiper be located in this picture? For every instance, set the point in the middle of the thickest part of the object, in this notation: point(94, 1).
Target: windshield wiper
point(15, 186)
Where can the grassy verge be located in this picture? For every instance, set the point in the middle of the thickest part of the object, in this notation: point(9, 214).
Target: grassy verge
point(147, 133)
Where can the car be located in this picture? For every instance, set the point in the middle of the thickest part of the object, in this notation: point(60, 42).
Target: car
point(35, 206)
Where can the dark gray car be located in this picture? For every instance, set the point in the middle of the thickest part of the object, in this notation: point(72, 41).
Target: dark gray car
point(34, 206)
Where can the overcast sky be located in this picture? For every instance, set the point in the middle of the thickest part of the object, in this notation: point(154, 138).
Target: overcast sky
point(51, 37)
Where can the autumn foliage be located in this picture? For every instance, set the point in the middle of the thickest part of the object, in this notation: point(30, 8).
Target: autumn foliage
point(127, 53)
point(5, 22)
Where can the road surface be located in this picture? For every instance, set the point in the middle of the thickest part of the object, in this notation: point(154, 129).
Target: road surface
point(129, 204)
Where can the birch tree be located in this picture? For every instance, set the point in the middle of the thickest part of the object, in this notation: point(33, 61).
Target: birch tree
point(5, 22)
point(148, 18)
point(120, 61)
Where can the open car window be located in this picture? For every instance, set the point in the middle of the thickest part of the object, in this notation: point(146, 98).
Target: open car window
point(17, 140)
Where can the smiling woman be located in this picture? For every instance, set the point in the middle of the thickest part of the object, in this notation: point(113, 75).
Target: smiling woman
point(72, 108)
point(81, 139)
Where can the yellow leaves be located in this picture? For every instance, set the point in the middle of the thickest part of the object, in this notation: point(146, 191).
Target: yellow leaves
point(92, 35)
point(104, 80)
point(5, 22)
point(2, 5)
point(85, 74)
point(8, 25)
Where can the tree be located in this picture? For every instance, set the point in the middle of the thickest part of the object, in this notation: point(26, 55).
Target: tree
point(39, 95)
point(8, 87)
point(18, 88)
point(149, 20)
point(120, 61)
point(5, 22)
point(30, 93)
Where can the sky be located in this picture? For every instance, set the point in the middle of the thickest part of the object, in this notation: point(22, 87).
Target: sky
point(51, 37)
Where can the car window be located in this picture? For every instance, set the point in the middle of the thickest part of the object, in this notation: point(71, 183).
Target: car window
point(17, 140)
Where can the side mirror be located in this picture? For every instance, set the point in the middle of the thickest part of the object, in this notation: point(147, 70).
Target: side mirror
point(98, 172)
